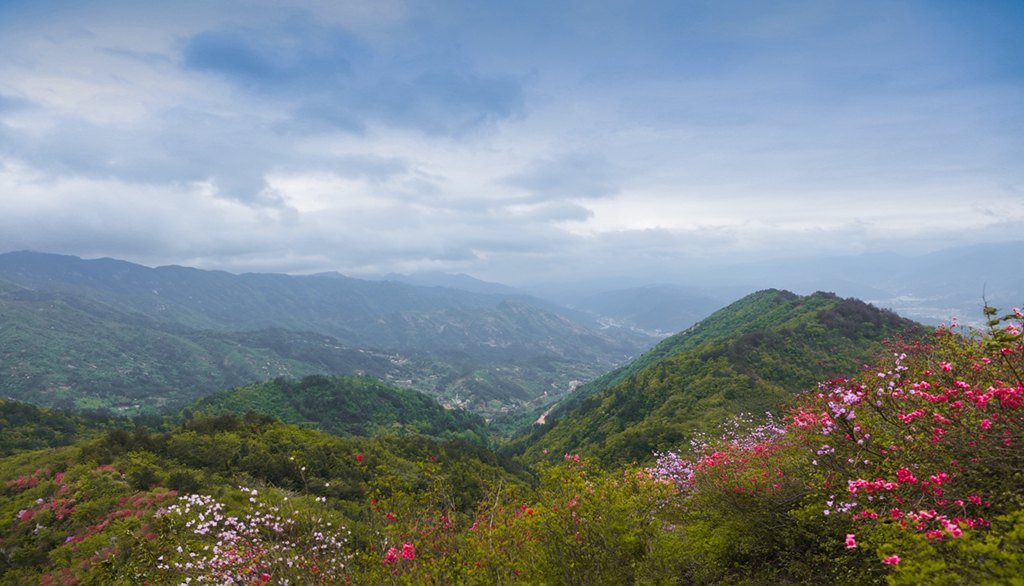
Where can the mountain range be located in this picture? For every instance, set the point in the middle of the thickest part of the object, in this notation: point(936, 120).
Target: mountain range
point(108, 333)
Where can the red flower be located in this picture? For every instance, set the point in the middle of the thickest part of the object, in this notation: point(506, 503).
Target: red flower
point(359, 457)
point(264, 577)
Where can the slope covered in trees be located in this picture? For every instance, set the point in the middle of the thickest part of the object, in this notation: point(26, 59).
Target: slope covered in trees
point(111, 334)
point(346, 406)
point(26, 427)
point(906, 473)
point(63, 350)
point(746, 358)
point(377, 314)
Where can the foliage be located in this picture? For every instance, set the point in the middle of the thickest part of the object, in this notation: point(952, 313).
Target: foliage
point(98, 512)
point(909, 473)
point(749, 357)
point(27, 427)
point(177, 330)
point(346, 406)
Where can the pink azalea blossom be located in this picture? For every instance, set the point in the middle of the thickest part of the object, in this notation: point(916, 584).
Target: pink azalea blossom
point(408, 551)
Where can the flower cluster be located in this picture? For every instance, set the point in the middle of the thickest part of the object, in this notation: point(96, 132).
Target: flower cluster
point(266, 541)
point(925, 444)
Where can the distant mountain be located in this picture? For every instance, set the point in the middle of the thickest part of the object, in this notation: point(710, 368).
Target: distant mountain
point(386, 315)
point(459, 281)
point(107, 333)
point(748, 357)
point(345, 406)
point(62, 350)
point(932, 287)
point(655, 308)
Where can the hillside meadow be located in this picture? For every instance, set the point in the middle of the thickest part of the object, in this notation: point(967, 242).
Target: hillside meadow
point(906, 472)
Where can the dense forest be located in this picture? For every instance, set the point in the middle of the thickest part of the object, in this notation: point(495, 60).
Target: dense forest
point(810, 440)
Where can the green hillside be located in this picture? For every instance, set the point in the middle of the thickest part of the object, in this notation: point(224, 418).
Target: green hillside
point(102, 511)
point(908, 472)
point(366, 314)
point(113, 335)
point(25, 427)
point(746, 358)
point(59, 349)
point(345, 406)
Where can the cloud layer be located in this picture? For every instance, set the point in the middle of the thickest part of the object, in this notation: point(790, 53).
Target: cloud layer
point(529, 141)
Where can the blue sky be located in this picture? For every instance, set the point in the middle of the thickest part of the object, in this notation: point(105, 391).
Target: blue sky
point(509, 140)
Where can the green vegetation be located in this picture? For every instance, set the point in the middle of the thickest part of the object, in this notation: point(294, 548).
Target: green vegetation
point(95, 512)
point(25, 427)
point(747, 358)
point(907, 471)
point(107, 334)
point(346, 406)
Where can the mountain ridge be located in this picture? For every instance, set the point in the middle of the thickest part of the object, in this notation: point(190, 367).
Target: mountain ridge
point(748, 357)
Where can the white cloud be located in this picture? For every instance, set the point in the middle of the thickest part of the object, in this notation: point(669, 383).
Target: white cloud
point(379, 136)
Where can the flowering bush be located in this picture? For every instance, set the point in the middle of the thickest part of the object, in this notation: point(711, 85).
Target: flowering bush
point(270, 540)
point(898, 462)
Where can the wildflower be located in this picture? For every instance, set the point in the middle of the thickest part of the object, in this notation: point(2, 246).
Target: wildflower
point(264, 577)
point(359, 457)
point(892, 560)
point(408, 551)
point(851, 541)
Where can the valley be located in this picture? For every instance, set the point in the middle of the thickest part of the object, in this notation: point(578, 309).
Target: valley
point(471, 419)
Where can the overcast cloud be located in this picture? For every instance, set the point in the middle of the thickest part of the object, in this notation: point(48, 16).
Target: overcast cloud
point(508, 140)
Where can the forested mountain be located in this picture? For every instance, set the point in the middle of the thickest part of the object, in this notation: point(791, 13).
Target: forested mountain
point(246, 499)
point(112, 334)
point(61, 349)
point(345, 406)
point(749, 357)
point(25, 427)
point(396, 494)
point(377, 314)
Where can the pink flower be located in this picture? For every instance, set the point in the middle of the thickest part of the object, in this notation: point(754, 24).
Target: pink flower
point(408, 552)
point(905, 476)
point(390, 556)
point(891, 560)
point(946, 367)
point(851, 541)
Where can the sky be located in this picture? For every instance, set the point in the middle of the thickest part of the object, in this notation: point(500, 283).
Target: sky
point(514, 141)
